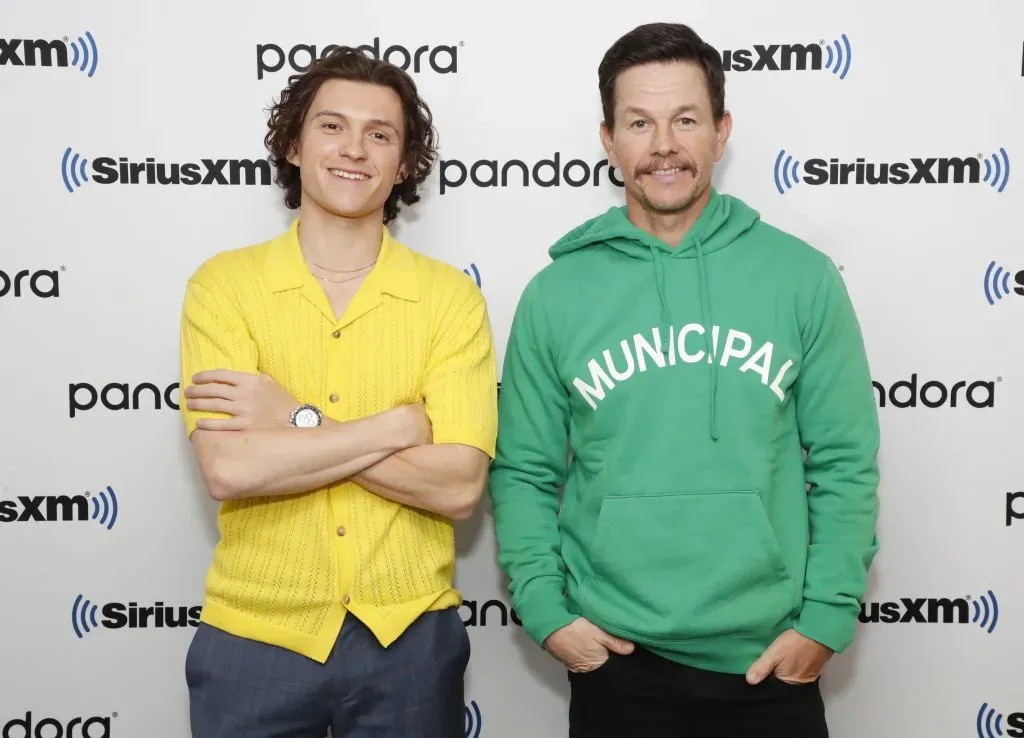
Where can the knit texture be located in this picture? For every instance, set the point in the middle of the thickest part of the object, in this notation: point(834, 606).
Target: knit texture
point(417, 331)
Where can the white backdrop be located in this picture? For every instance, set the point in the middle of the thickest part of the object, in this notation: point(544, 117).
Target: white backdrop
point(89, 334)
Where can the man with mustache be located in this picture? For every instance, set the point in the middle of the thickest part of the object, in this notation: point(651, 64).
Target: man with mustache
point(700, 570)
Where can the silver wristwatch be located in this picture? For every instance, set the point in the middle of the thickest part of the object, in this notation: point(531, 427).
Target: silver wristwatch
point(306, 416)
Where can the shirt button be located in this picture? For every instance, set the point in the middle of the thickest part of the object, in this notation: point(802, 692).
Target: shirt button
point(336, 334)
point(345, 599)
point(341, 531)
point(334, 398)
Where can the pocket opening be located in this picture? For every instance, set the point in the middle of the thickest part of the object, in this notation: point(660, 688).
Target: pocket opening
point(687, 566)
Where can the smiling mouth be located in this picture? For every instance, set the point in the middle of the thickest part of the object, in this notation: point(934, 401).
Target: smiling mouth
point(345, 174)
point(667, 172)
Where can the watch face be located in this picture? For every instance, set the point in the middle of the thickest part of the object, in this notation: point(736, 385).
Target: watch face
point(306, 418)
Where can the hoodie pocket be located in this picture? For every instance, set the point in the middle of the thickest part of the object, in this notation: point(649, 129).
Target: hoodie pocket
point(687, 566)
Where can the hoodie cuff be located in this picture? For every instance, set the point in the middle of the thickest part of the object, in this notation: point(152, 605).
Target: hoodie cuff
point(830, 625)
point(542, 609)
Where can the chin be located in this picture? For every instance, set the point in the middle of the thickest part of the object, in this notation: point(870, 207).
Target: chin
point(667, 205)
point(349, 207)
point(670, 202)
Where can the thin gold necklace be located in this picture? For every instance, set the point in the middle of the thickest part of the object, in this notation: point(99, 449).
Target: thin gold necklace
point(339, 281)
point(343, 271)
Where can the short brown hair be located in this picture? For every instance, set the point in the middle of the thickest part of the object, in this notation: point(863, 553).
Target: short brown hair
point(658, 43)
point(289, 113)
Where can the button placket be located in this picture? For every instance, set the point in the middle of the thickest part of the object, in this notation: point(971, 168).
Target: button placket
point(341, 531)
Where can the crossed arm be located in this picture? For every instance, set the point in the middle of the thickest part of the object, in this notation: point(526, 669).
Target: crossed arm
point(245, 446)
point(255, 452)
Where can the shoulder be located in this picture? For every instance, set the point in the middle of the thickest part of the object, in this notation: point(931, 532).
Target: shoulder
point(233, 266)
point(440, 275)
point(790, 250)
point(794, 263)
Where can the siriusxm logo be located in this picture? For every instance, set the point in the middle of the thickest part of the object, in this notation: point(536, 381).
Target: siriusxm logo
point(442, 59)
point(62, 508)
point(983, 611)
point(118, 615)
point(990, 723)
point(24, 52)
point(906, 393)
point(115, 396)
point(472, 272)
point(834, 57)
point(74, 171)
point(997, 283)
point(474, 722)
point(475, 614)
point(544, 173)
point(41, 283)
point(49, 727)
point(1012, 513)
point(933, 170)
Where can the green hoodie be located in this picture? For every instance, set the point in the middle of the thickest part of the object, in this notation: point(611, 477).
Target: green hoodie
point(691, 522)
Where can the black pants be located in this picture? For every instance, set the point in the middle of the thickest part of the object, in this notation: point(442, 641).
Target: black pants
point(645, 696)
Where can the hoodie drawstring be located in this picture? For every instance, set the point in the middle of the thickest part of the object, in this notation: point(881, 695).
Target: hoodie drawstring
point(706, 321)
point(666, 313)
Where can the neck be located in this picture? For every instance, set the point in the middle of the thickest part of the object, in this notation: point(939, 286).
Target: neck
point(335, 242)
point(668, 227)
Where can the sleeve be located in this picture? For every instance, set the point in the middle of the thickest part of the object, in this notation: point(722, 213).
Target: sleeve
point(838, 424)
point(213, 336)
point(461, 384)
point(529, 470)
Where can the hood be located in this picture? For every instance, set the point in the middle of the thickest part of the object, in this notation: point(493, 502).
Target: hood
point(724, 219)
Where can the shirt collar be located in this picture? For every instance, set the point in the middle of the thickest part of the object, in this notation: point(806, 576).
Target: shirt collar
point(393, 274)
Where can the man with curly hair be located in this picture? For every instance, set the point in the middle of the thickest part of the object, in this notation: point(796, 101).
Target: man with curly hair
point(341, 402)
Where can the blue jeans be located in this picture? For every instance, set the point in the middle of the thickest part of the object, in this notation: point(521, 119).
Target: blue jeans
point(240, 688)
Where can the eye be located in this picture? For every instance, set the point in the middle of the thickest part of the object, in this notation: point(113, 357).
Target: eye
point(380, 136)
point(331, 126)
point(638, 124)
point(687, 121)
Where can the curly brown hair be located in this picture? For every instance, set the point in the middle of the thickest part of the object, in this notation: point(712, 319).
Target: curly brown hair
point(288, 114)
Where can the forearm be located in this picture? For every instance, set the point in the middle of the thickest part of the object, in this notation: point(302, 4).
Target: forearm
point(526, 510)
point(446, 479)
point(322, 478)
point(843, 509)
point(277, 461)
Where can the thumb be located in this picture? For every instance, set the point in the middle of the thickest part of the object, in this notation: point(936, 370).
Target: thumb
point(764, 665)
point(618, 645)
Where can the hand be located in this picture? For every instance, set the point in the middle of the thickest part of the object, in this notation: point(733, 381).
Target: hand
point(252, 400)
point(583, 647)
point(793, 658)
point(414, 424)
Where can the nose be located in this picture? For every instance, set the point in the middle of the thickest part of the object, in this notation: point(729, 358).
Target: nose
point(351, 144)
point(663, 143)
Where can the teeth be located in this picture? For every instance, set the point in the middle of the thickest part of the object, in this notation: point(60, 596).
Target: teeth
point(666, 171)
point(347, 175)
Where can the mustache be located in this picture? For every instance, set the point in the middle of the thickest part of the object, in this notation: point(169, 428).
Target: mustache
point(663, 164)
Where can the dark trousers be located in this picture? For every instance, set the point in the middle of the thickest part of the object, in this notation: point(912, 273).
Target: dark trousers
point(239, 688)
point(646, 696)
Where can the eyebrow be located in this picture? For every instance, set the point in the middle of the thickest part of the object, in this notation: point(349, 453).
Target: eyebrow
point(381, 122)
point(688, 108)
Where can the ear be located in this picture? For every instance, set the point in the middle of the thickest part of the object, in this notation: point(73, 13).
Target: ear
point(293, 154)
point(607, 141)
point(403, 172)
point(722, 133)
